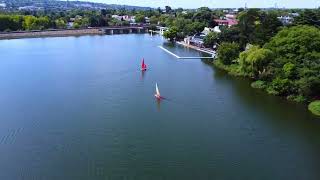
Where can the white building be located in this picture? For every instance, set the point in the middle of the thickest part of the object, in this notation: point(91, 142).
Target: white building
point(31, 8)
point(286, 20)
point(207, 30)
point(162, 29)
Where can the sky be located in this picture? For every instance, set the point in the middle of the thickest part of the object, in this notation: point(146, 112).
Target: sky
point(216, 3)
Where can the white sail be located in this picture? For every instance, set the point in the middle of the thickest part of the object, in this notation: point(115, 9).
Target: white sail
point(157, 90)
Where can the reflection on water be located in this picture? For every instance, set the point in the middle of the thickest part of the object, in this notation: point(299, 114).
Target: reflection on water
point(158, 104)
point(143, 74)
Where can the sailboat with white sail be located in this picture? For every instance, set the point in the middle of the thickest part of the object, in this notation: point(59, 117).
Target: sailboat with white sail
point(157, 95)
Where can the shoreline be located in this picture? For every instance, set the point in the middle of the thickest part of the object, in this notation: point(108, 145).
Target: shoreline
point(50, 33)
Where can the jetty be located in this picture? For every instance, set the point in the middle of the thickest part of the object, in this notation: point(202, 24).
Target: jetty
point(178, 57)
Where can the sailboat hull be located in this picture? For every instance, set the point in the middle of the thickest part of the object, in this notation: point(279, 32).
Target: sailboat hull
point(157, 97)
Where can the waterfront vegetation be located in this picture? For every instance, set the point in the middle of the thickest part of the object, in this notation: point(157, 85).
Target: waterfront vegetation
point(42, 20)
point(282, 60)
point(288, 65)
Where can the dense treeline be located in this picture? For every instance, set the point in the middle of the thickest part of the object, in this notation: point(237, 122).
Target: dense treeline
point(182, 24)
point(40, 20)
point(284, 61)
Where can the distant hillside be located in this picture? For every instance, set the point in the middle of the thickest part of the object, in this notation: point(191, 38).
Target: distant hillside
point(64, 5)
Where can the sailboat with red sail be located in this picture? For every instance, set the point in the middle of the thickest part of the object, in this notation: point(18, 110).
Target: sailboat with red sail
point(143, 66)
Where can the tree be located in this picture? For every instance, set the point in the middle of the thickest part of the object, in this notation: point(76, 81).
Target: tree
point(255, 60)
point(228, 52)
point(168, 9)
point(247, 24)
point(140, 18)
point(182, 25)
point(93, 21)
point(229, 34)
point(204, 15)
point(211, 39)
point(297, 58)
point(299, 44)
point(10, 22)
point(154, 20)
point(266, 27)
point(308, 17)
point(34, 23)
point(60, 23)
point(83, 22)
point(103, 12)
point(196, 27)
point(171, 34)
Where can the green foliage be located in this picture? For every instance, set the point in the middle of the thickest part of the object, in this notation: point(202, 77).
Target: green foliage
point(297, 57)
point(60, 23)
point(81, 23)
point(298, 98)
point(233, 69)
point(257, 27)
point(10, 22)
point(204, 15)
point(171, 34)
point(255, 60)
point(228, 52)
point(289, 70)
point(308, 17)
point(266, 27)
point(140, 18)
point(288, 65)
point(34, 23)
point(280, 86)
point(229, 34)
point(258, 84)
point(197, 27)
point(296, 44)
point(211, 39)
point(247, 24)
point(154, 20)
point(314, 107)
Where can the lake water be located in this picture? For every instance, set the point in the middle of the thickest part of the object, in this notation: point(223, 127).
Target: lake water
point(78, 108)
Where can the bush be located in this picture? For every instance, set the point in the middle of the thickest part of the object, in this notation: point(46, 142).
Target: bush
point(282, 86)
point(228, 52)
point(233, 69)
point(258, 84)
point(314, 107)
point(298, 98)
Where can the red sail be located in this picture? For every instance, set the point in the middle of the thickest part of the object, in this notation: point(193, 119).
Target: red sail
point(143, 65)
